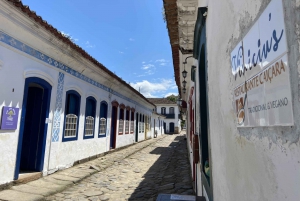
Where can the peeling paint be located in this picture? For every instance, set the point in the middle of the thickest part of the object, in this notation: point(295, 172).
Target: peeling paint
point(298, 3)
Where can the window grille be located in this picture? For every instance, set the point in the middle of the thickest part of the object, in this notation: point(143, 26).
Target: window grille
point(131, 126)
point(121, 125)
point(140, 127)
point(126, 126)
point(143, 127)
point(70, 125)
point(102, 128)
point(89, 126)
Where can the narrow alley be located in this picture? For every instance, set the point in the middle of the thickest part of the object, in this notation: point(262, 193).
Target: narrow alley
point(138, 172)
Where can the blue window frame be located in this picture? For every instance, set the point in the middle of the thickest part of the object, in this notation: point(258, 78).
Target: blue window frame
point(72, 113)
point(103, 119)
point(90, 116)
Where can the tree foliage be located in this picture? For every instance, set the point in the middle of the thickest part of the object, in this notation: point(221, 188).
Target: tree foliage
point(172, 98)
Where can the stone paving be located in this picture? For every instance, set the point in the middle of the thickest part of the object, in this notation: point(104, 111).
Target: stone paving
point(139, 172)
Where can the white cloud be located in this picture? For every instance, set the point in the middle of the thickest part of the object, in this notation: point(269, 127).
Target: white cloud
point(161, 61)
point(131, 39)
point(171, 93)
point(155, 89)
point(147, 66)
point(162, 64)
point(121, 52)
point(89, 45)
point(69, 36)
point(143, 62)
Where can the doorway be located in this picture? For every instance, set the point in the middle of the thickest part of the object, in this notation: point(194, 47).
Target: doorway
point(113, 129)
point(33, 129)
point(165, 131)
point(137, 128)
point(172, 127)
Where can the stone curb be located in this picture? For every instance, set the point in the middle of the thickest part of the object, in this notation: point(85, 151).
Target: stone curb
point(62, 179)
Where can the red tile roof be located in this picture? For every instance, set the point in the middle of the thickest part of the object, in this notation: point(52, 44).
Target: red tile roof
point(164, 101)
point(171, 14)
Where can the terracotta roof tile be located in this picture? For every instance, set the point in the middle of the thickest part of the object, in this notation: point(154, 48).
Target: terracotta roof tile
point(161, 101)
point(171, 13)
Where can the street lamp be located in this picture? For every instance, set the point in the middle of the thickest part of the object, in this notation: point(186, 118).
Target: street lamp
point(179, 101)
point(184, 73)
point(184, 83)
point(184, 90)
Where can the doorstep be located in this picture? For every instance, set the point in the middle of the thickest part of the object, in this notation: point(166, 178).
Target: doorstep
point(176, 197)
point(27, 177)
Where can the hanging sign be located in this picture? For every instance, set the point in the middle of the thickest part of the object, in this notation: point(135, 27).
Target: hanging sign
point(9, 120)
point(262, 93)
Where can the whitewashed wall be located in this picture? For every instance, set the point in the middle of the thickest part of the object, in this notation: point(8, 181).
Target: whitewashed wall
point(176, 120)
point(258, 163)
point(17, 65)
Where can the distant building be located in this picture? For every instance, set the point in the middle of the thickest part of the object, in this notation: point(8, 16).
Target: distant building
point(170, 109)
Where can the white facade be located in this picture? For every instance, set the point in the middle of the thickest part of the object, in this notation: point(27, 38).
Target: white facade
point(252, 155)
point(31, 56)
point(170, 119)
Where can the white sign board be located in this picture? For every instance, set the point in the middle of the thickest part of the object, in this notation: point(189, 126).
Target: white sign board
point(262, 93)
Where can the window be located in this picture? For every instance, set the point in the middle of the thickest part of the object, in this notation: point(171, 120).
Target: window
point(143, 124)
point(103, 119)
point(127, 120)
point(146, 123)
point(72, 110)
point(163, 110)
point(90, 115)
point(140, 123)
point(121, 119)
point(132, 122)
point(171, 110)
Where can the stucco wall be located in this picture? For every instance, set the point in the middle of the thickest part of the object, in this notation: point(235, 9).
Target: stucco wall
point(249, 163)
point(17, 65)
point(176, 120)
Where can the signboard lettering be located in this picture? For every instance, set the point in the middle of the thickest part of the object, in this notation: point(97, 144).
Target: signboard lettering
point(262, 92)
point(9, 119)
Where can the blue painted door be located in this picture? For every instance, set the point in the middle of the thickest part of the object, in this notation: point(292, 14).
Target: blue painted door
point(172, 127)
point(33, 129)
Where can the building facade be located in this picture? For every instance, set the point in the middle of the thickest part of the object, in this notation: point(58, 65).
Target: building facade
point(242, 60)
point(169, 109)
point(58, 104)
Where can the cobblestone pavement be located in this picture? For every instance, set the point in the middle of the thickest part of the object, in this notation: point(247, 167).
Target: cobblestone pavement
point(161, 167)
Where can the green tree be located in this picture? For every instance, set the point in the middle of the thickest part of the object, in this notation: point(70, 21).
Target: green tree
point(172, 98)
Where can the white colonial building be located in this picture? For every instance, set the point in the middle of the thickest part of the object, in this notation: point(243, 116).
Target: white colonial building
point(169, 109)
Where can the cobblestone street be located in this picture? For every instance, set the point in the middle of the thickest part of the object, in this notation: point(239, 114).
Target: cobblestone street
point(161, 167)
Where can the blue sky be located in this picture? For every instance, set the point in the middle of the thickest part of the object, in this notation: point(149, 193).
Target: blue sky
point(129, 37)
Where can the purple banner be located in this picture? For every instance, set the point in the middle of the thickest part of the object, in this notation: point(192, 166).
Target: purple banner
point(9, 119)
